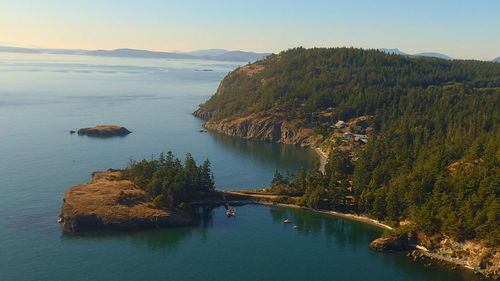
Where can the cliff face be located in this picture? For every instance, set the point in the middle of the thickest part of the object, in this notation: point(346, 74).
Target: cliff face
point(469, 254)
point(261, 127)
point(390, 243)
point(202, 114)
point(264, 126)
point(113, 204)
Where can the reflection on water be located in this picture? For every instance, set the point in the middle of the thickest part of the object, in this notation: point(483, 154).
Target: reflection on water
point(342, 232)
point(261, 150)
point(221, 248)
point(43, 96)
point(166, 238)
point(155, 239)
point(352, 236)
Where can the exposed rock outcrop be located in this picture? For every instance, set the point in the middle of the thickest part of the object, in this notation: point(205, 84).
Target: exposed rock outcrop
point(263, 127)
point(104, 131)
point(202, 113)
point(108, 202)
point(473, 255)
point(391, 243)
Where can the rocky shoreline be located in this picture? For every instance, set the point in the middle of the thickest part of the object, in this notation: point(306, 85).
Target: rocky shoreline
point(468, 255)
point(264, 127)
point(111, 203)
point(472, 255)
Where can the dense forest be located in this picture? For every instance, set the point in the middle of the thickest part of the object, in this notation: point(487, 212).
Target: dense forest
point(170, 182)
point(433, 157)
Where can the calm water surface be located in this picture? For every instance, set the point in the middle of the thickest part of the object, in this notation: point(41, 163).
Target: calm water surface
point(42, 97)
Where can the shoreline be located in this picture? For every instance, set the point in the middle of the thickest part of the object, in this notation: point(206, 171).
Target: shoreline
point(260, 199)
point(352, 217)
point(363, 219)
point(323, 158)
point(432, 257)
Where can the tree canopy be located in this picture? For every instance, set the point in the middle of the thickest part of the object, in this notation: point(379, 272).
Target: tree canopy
point(170, 182)
point(434, 154)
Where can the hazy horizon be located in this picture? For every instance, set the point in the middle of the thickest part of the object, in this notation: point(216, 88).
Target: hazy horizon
point(460, 29)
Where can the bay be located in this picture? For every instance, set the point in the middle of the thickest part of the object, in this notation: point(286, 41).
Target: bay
point(42, 97)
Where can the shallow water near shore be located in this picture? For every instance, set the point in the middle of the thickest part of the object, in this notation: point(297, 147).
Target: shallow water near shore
point(42, 97)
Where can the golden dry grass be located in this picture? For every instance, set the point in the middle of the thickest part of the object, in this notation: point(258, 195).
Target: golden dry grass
point(101, 197)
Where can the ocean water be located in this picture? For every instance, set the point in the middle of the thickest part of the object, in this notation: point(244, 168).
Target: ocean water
point(42, 97)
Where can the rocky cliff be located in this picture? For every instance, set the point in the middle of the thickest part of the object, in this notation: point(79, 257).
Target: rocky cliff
point(108, 202)
point(391, 243)
point(264, 127)
point(483, 259)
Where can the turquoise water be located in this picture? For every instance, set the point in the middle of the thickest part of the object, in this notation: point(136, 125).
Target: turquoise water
point(42, 97)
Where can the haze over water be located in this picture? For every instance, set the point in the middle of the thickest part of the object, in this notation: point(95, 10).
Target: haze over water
point(42, 97)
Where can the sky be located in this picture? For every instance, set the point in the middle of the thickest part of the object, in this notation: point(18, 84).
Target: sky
point(467, 29)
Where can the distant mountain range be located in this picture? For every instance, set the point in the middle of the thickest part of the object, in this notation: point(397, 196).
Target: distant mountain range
point(210, 54)
point(427, 54)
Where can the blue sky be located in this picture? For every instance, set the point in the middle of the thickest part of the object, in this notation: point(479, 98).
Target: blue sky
point(461, 29)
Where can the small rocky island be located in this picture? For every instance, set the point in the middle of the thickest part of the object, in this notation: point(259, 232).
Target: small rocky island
point(104, 131)
point(111, 203)
point(147, 194)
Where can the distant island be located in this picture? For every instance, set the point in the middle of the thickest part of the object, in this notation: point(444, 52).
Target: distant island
point(210, 54)
point(104, 131)
point(411, 142)
point(147, 194)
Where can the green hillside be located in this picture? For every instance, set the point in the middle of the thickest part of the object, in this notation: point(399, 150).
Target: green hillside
point(433, 154)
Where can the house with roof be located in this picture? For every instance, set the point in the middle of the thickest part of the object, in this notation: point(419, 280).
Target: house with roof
point(340, 124)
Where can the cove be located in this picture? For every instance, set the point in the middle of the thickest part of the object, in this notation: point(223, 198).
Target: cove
point(42, 97)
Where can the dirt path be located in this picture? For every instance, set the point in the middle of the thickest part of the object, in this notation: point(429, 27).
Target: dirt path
point(263, 196)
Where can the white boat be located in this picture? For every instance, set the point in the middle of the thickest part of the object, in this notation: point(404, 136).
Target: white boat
point(231, 213)
point(287, 221)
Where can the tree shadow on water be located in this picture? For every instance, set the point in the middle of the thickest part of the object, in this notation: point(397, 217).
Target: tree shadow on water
point(162, 238)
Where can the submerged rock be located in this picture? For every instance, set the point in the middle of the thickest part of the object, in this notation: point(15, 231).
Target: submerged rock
point(104, 131)
point(109, 202)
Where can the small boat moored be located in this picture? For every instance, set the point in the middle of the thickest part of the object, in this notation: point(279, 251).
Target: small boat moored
point(230, 213)
point(287, 221)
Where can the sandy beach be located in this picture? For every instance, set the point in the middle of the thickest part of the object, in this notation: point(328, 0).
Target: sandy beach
point(363, 219)
point(359, 218)
point(323, 159)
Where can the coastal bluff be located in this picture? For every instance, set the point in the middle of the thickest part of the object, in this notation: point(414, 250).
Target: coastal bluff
point(109, 202)
point(481, 257)
point(104, 131)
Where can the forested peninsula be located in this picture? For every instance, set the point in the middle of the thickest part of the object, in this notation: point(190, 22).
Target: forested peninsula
point(412, 142)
